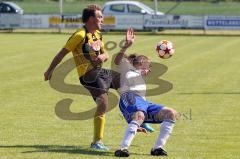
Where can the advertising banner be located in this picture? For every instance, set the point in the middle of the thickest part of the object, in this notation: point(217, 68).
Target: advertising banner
point(173, 21)
point(31, 21)
point(65, 21)
point(120, 22)
point(125, 21)
point(109, 22)
point(8, 21)
point(222, 22)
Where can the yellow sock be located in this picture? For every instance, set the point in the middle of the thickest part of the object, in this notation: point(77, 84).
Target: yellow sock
point(99, 123)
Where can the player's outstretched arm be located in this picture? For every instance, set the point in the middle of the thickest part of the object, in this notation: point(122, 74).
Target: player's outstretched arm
point(130, 37)
point(56, 60)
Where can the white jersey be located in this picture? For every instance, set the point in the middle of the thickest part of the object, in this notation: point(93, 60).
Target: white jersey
point(131, 79)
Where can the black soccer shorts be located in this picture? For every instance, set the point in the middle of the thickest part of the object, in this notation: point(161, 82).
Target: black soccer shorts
point(99, 80)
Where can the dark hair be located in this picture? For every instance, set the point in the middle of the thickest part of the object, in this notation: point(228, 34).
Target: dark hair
point(137, 59)
point(89, 11)
point(131, 58)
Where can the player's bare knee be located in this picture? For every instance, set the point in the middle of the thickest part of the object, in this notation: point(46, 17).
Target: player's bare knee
point(167, 114)
point(171, 114)
point(138, 117)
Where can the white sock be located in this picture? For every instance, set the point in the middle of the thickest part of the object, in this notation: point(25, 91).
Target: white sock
point(165, 131)
point(129, 134)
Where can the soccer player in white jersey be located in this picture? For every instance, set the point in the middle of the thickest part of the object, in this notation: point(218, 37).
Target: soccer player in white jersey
point(133, 103)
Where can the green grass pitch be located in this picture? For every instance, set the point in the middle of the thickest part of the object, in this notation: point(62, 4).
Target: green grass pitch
point(204, 72)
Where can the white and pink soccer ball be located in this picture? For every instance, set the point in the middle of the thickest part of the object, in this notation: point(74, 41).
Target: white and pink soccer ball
point(165, 49)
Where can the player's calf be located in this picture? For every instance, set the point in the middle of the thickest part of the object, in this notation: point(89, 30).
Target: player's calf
point(137, 119)
point(168, 118)
point(102, 103)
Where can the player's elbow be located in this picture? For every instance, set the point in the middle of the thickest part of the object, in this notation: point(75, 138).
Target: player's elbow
point(117, 62)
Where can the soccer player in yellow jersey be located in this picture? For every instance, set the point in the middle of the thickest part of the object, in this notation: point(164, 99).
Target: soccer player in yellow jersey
point(89, 53)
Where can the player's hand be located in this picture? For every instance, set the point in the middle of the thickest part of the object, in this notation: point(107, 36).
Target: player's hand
point(48, 75)
point(99, 59)
point(129, 38)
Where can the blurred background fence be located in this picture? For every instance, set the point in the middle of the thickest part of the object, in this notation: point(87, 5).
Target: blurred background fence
point(50, 14)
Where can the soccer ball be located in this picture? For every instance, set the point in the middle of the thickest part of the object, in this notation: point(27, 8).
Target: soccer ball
point(165, 49)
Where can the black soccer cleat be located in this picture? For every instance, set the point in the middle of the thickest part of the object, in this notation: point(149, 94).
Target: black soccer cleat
point(121, 153)
point(158, 152)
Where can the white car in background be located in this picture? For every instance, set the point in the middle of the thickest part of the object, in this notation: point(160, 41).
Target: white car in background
point(127, 8)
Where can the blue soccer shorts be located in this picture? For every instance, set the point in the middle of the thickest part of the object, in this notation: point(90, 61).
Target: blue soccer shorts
point(130, 102)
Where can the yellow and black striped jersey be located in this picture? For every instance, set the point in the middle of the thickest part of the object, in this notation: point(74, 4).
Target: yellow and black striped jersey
point(84, 47)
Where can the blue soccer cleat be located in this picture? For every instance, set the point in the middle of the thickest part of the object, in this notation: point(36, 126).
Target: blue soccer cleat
point(147, 127)
point(99, 146)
